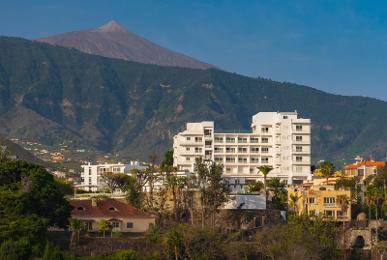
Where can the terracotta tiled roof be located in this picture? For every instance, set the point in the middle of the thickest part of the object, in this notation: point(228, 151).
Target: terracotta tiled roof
point(105, 208)
point(364, 163)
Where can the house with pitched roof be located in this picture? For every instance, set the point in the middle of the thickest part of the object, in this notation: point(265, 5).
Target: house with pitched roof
point(121, 216)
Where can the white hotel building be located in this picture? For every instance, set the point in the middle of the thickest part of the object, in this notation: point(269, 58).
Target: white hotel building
point(279, 139)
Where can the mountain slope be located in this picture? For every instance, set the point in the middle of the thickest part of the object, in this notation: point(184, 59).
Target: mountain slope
point(50, 93)
point(113, 41)
point(20, 152)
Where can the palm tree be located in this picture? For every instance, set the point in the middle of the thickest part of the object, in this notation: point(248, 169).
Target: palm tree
point(374, 194)
point(343, 202)
point(327, 169)
point(75, 226)
point(265, 169)
point(278, 188)
point(293, 200)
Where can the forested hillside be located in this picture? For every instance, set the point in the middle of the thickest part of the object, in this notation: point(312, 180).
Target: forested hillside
point(50, 93)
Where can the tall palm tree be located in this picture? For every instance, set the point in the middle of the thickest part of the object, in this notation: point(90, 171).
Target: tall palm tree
point(343, 202)
point(374, 194)
point(265, 169)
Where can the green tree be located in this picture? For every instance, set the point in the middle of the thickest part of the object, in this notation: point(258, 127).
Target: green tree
point(300, 238)
point(213, 189)
point(256, 186)
point(51, 252)
point(279, 192)
point(103, 225)
point(30, 202)
point(168, 159)
point(15, 249)
point(112, 180)
point(327, 169)
point(175, 245)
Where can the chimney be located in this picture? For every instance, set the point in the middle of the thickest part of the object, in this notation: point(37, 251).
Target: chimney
point(93, 202)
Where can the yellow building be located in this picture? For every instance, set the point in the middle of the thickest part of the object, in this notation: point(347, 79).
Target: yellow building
point(317, 197)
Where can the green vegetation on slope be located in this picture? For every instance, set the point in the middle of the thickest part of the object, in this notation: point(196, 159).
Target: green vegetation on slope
point(50, 93)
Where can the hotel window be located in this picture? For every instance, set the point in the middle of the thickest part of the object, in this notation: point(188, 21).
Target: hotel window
point(187, 148)
point(311, 200)
point(298, 148)
point(230, 159)
point(198, 139)
point(254, 139)
point(188, 138)
point(254, 160)
point(254, 149)
point(198, 150)
point(228, 169)
point(230, 150)
point(265, 150)
point(265, 160)
point(298, 158)
point(329, 200)
point(242, 160)
point(89, 180)
point(265, 129)
point(187, 158)
point(285, 117)
point(299, 138)
point(218, 149)
point(329, 213)
point(242, 140)
point(298, 168)
point(208, 144)
point(242, 150)
point(230, 140)
point(265, 140)
point(218, 159)
point(129, 225)
point(298, 127)
point(218, 139)
point(207, 132)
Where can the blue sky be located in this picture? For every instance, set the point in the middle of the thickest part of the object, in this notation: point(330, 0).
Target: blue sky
point(339, 46)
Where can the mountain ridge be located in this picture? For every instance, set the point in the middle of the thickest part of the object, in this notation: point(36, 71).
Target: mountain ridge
point(114, 41)
point(50, 93)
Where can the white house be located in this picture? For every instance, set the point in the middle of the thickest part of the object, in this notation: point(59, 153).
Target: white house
point(279, 139)
point(91, 179)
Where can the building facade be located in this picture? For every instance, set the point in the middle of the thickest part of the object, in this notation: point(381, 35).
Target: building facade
point(279, 139)
point(363, 168)
point(91, 177)
point(319, 198)
point(121, 216)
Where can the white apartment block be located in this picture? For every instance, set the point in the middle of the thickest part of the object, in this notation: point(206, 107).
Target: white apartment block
point(279, 139)
point(91, 179)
